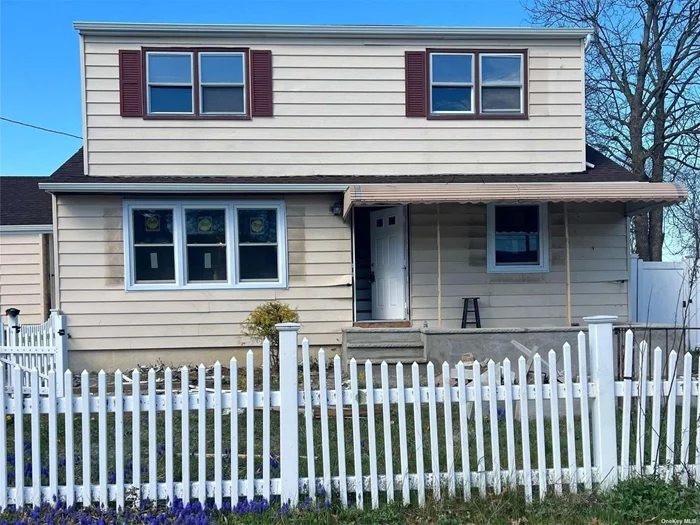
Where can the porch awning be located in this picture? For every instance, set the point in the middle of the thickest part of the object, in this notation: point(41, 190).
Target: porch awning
point(637, 195)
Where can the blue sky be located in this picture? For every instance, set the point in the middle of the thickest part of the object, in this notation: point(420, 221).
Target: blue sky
point(39, 62)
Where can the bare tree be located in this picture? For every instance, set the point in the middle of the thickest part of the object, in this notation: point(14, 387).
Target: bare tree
point(642, 89)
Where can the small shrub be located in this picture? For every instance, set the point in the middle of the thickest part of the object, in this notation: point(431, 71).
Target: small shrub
point(260, 325)
point(643, 499)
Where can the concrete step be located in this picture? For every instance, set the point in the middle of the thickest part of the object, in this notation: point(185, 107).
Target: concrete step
point(383, 344)
point(389, 352)
point(384, 335)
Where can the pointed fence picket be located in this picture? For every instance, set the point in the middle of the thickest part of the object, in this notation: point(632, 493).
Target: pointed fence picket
point(406, 436)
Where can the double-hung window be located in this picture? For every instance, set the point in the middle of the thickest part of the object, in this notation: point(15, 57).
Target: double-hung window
point(170, 83)
point(197, 83)
point(517, 238)
point(451, 83)
point(205, 244)
point(477, 84)
point(501, 83)
point(222, 83)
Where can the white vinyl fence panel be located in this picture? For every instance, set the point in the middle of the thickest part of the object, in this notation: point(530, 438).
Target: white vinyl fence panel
point(666, 293)
point(385, 433)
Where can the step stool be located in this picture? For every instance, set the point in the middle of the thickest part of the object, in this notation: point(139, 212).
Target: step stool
point(466, 311)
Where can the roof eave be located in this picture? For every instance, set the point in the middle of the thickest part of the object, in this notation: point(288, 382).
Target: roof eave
point(186, 187)
point(327, 31)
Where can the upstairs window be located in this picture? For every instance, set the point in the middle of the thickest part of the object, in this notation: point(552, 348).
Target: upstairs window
point(517, 240)
point(170, 81)
point(452, 83)
point(217, 86)
point(222, 83)
point(468, 84)
point(501, 80)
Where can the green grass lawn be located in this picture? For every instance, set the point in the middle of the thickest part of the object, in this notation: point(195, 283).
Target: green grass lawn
point(641, 500)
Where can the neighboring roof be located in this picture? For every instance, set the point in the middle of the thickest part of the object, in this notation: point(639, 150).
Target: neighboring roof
point(22, 203)
point(605, 170)
point(326, 31)
point(639, 194)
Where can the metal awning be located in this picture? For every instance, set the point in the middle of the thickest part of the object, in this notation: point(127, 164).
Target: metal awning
point(637, 195)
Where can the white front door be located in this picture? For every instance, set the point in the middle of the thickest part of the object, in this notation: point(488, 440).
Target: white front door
point(388, 263)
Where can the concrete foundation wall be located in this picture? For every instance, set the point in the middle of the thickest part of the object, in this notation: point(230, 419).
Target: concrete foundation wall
point(484, 344)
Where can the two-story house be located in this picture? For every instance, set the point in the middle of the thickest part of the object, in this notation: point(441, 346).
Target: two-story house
point(362, 174)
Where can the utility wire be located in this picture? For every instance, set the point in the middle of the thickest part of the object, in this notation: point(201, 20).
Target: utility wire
point(40, 128)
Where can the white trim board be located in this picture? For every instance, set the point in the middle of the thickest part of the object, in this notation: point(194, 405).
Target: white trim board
point(338, 31)
point(25, 228)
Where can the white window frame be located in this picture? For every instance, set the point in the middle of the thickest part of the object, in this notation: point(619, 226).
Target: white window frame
point(520, 84)
point(202, 84)
point(471, 85)
point(180, 245)
point(543, 247)
point(191, 85)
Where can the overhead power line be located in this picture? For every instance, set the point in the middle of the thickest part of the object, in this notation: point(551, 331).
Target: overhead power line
point(40, 128)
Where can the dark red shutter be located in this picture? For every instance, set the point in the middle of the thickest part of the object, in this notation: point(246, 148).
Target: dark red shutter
point(261, 83)
point(130, 88)
point(416, 84)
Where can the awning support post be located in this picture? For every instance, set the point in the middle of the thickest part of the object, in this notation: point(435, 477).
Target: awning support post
point(439, 269)
point(568, 265)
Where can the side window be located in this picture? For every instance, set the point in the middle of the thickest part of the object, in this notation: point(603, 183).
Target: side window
point(501, 81)
point(153, 245)
point(258, 247)
point(170, 83)
point(517, 238)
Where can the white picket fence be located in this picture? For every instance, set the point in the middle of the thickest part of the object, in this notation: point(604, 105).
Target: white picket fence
point(38, 346)
point(202, 441)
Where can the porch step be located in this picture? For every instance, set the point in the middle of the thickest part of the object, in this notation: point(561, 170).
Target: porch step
point(391, 352)
point(382, 335)
point(382, 324)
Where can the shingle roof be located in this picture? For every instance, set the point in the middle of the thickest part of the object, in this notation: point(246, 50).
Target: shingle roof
point(605, 171)
point(22, 202)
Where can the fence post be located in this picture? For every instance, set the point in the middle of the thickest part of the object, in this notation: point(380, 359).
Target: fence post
point(289, 412)
point(12, 326)
point(61, 341)
point(602, 373)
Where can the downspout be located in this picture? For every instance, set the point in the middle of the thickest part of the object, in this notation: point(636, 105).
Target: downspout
point(568, 265)
point(439, 269)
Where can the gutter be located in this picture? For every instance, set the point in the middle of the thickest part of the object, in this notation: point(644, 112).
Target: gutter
point(164, 187)
point(26, 228)
point(326, 31)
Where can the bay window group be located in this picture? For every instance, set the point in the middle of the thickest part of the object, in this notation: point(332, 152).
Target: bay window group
point(205, 244)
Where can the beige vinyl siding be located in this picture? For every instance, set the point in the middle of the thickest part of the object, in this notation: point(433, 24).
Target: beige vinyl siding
point(339, 110)
point(108, 324)
point(22, 282)
point(599, 268)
